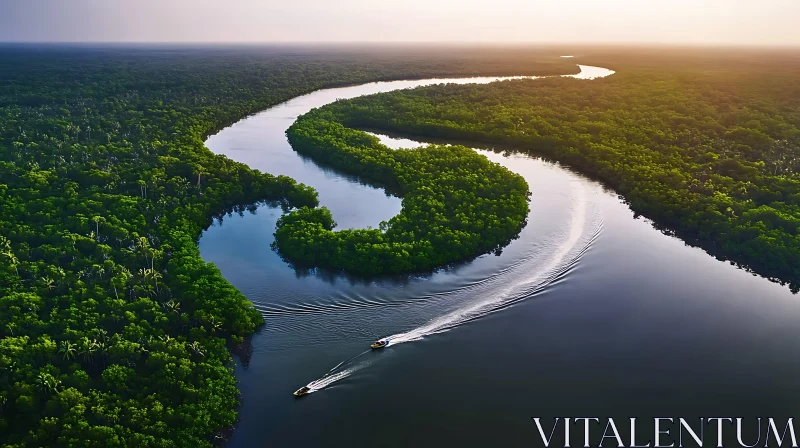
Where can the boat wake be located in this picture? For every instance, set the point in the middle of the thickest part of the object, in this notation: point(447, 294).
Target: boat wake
point(327, 380)
point(514, 292)
point(529, 278)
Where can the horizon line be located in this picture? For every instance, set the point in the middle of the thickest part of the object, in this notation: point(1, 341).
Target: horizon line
point(414, 43)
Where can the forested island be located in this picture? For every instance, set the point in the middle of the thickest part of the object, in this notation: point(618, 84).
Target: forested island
point(456, 203)
point(113, 330)
point(707, 146)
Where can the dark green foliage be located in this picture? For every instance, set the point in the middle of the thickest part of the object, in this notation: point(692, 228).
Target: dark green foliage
point(113, 330)
point(709, 148)
point(456, 203)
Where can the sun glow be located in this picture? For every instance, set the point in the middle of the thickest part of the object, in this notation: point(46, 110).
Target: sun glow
point(767, 22)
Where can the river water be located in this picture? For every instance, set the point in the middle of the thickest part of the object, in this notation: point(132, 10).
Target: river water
point(591, 312)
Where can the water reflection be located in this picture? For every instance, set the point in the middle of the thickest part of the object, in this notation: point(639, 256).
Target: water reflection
point(631, 321)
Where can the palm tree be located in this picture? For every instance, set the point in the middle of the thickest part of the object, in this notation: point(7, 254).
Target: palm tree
point(47, 383)
point(101, 334)
point(173, 306)
point(101, 348)
point(12, 259)
point(144, 345)
point(200, 173)
point(143, 188)
point(49, 283)
point(148, 274)
point(96, 220)
point(167, 339)
point(124, 277)
point(197, 349)
point(67, 350)
point(155, 275)
point(143, 246)
point(117, 280)
point(215, 325)
point(42, 382)
point(5, 250)
point(87, 349)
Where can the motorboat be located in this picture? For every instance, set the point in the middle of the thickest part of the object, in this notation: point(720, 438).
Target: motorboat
point(380, 344)
point(302, 391)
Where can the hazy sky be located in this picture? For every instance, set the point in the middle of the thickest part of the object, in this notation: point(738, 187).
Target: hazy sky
point(759, 22)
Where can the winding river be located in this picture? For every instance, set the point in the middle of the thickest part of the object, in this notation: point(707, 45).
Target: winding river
point(591, 312)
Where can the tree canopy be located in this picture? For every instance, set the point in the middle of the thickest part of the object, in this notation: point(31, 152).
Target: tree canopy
point(113, 330)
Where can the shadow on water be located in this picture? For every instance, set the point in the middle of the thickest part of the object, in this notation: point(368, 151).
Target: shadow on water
point(333, 276)
point(391, 189)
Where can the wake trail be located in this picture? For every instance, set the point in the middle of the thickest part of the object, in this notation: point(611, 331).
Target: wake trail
point(334, 374)
point(326, 381)
point(348, 303)
point(563, 260)
point(510, 291)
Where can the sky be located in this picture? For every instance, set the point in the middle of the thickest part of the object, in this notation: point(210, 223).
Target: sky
point(732, 22)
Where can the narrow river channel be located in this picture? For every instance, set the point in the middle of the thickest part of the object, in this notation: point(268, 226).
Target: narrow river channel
point(591, 312)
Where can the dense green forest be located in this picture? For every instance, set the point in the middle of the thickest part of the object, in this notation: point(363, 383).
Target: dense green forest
point(113, 330)
point(706, 145)
point(456, 203)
